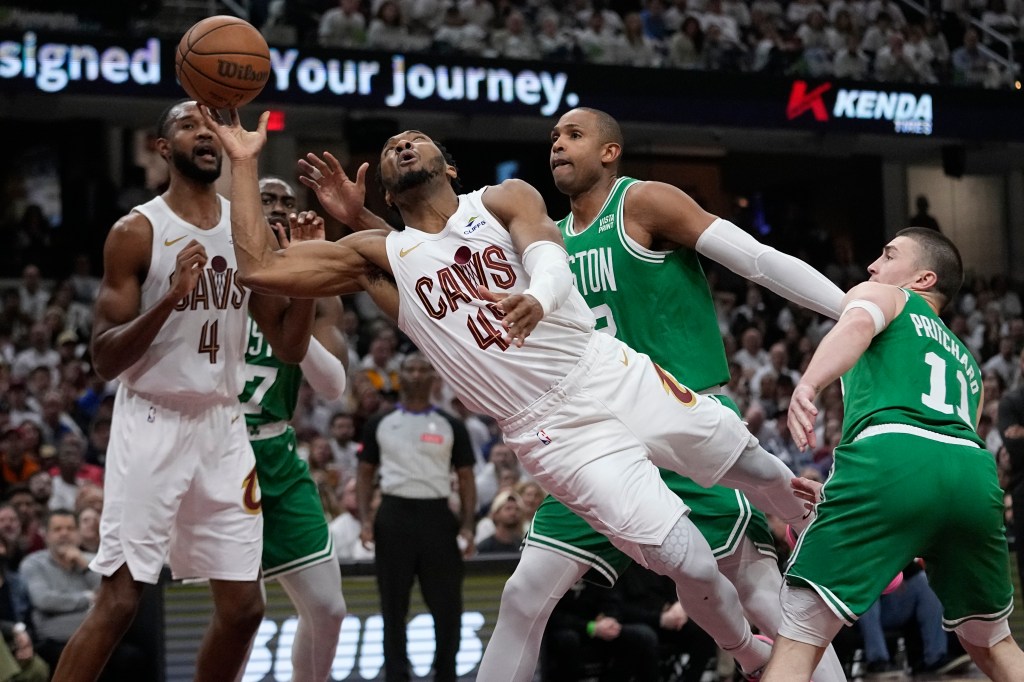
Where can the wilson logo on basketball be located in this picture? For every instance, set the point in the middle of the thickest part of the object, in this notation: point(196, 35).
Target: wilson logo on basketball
point(240, 72)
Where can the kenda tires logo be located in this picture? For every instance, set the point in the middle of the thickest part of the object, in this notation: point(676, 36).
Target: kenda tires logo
point(908, 113)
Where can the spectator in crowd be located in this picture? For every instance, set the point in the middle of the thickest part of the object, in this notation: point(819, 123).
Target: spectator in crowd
point(818, 40)
point(10, 536)
point(84, 284)
point(598, 42)
point(553, 41)
point(507, 516)
point(637, 48)
point(30, 538)
point(343, 447)
point(684, 46)
point(72, 472)
point(458, 36)
point(1005, 363)
point(998, 19)
point(345, 527)
point(922, 218)
point(649, 600)
point(382, 363)
point(751, 356)
point(18, 464)
point(89, 530)
point(851, 61)
point(62, 590)
point(652, 17)
point(799, 10)
point(32, 294)
point(893, 63)
point(479, 12)
point(530, 496)
point(501, 458)
point(40, 353)
point(913, 601)
point(971, 66)
point(99, 440)
point(585, 627)
point(414, 533)
point(18, 659)
point(343, 26)
point(40, 484)
point(920, 54)
point(876, 36)
point(515, 40)
point(1010, 423)
point(388, 30)
point(55, 421)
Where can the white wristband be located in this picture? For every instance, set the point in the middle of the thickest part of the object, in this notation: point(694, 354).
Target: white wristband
point(324, 372)
point(877, 316)
point(550, 276)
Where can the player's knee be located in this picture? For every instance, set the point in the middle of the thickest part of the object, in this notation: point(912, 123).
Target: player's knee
point(336, 609)
point(517, 596)
point(118, 606)
point(243, 616)
point(807, 618)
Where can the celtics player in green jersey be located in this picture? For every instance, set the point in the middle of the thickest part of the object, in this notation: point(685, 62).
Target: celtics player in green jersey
point(297, 546)
point(911, 476)
point(633, 250)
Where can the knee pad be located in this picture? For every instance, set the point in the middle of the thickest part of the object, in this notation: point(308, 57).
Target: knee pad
point(807, 618)
point(982, 633)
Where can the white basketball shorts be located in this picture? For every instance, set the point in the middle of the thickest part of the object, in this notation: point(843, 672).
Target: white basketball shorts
point(595, 440)
point(181, 488)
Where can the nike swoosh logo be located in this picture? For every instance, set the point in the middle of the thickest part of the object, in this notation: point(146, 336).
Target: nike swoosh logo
point(625, 359)
point(405, 252)
point(172, 242)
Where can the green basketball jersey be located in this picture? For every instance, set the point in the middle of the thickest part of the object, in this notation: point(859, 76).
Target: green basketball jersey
point(271, 386)
point(656, 301)
point(916, 372)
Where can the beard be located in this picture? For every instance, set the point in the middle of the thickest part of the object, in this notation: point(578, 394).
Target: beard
point(417, 178)
point(187, 167)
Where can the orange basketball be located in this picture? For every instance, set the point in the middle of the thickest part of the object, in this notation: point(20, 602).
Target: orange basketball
point(223, 62)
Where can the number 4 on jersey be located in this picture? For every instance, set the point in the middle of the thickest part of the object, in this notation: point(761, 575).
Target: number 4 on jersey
point(208, 340)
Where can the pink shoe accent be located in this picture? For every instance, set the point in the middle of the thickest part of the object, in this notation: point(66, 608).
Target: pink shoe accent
point(894, 585)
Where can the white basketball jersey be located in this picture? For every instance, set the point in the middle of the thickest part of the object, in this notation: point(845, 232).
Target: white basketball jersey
point(199, 352)
point(461, 334)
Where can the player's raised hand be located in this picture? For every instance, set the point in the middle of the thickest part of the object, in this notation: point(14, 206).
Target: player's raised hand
point(340, 196)
point(802, 412)
point(521, 313)
point(305, 226)
point(188, 268)
point(239, 144)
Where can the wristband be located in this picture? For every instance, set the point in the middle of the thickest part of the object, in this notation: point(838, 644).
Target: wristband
point(591, 628)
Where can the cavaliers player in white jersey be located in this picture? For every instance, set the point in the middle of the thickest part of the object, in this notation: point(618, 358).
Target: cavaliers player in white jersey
point(180, 479)
point(481, 284)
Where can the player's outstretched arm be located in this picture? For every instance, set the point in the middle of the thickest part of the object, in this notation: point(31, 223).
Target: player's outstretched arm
point(340, 196)
point(307, 270)
point(671, 216)
point(122, 333)
point(868, 309)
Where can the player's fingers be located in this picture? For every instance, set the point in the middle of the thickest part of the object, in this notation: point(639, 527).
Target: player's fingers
point(310, 183)
point(318, 168)
point(488, 295)
point(332, 163)
point(261, 127)
point(281, 234)
point(236, 121)
point(204, 112)
point(361, 174)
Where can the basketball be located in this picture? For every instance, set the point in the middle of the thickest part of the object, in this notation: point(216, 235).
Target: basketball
point(223, 62)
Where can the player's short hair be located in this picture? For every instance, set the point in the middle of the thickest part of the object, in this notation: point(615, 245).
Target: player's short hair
point(940, 255)
point(608, 128)
point(163, 123)
point(276, 178)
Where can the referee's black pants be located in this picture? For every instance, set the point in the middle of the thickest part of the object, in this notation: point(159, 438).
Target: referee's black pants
point(417, 539)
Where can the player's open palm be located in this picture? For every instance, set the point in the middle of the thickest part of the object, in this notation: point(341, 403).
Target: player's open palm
point(239, 144)
point(340, 196)
point(188, 268)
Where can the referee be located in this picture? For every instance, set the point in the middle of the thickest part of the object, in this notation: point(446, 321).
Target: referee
point(415, 447)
